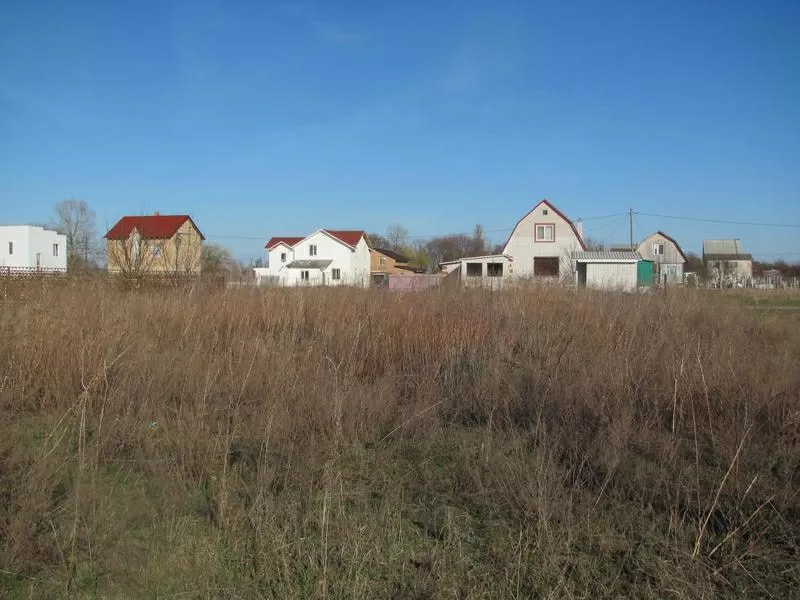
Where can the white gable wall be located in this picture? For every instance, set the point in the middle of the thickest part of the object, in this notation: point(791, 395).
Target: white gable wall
point(523, 247)
point(274, 263)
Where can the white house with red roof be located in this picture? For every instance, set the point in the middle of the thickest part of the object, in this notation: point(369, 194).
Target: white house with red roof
point(326, 257)
point(540, 245)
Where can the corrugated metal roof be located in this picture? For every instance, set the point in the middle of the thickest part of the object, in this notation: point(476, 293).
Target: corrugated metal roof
point(722, 247)
point(309, 264)
point(618, 255)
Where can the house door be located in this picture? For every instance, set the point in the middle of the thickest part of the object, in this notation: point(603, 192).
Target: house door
point(38, 260)
point(545, 266)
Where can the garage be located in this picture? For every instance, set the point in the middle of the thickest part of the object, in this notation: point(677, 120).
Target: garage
point(607, 270)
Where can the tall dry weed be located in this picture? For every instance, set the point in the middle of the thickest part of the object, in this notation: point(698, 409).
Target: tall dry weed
point(349, 443)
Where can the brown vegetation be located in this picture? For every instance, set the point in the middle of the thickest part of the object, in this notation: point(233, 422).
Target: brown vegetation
point(348, 444)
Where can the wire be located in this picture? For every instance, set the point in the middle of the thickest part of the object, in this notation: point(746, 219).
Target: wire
point(699, 220)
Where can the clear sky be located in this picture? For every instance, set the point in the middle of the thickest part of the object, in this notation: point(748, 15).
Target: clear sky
point(266, 118)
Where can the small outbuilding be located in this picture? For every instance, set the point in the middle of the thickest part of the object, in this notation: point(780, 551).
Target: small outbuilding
point(607, 270)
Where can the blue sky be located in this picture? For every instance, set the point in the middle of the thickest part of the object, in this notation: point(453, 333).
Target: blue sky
point(265, 118)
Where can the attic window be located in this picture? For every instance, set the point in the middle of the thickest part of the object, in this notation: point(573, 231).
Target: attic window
point(312, 250)
point(545, 212)
point(283, 257)
point(658, 249)
point(545, 233)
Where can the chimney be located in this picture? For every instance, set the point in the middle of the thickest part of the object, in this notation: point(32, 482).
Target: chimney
point(155, 214)
point(579, 227)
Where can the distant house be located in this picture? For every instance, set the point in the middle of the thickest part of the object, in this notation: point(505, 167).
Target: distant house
point(666, 255)
point(540, 245)
point(726, 260)
point(389, 262)
point(30, 248)
point(326, 257)
point(609, 270)
point(154, 245)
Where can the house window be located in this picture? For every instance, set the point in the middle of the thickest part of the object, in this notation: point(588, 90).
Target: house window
point(495, 269)
point(283, 257)
point(303, 275)
point(474, 269)
point(545, 266)
point(546, 233)
point(312, 250)
point(11, 247)
point(382, 261)
point(336, 274)
point(658, 249)
point(55, 249)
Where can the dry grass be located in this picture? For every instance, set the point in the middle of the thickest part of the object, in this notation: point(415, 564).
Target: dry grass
point(349, 444)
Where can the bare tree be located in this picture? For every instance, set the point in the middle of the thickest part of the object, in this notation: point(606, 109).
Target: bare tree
point(218, 259)
point(593, 245)
point(137, 257)
point(397, 236)
point(76, 221)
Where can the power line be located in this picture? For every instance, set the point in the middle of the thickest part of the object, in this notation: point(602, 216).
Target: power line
point(596, 218)
point(723, 221)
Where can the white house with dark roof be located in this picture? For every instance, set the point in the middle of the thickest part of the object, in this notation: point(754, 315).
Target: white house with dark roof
point(540, 245)
point(542, 242)
point(326, 257)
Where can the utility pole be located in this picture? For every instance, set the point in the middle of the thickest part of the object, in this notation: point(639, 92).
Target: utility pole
point(630, 215)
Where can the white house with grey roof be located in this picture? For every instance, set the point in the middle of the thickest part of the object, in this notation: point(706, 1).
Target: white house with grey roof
point(727, 260)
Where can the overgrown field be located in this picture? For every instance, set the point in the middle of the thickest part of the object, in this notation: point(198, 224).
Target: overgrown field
point(350, 444)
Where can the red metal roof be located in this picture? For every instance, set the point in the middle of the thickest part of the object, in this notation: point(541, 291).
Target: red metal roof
point(153, 227)
point(349, 237)
point(555, 210)
point(289, 241)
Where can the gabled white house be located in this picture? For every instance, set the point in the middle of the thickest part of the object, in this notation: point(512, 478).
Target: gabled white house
point(326, 257)
point(542, 243)
point(28, 247)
